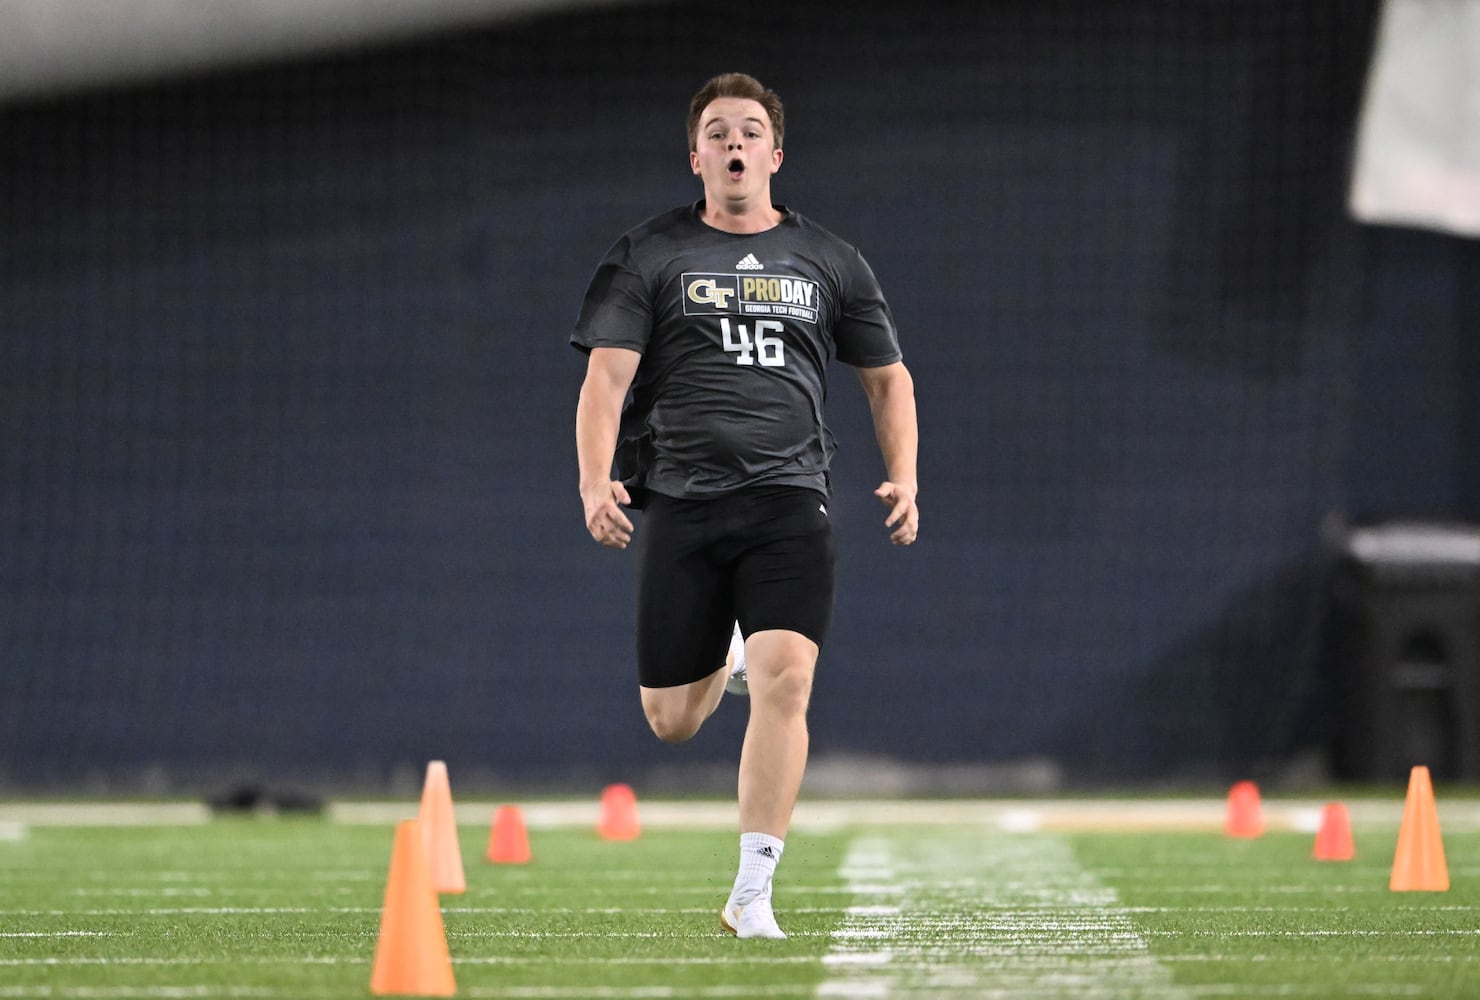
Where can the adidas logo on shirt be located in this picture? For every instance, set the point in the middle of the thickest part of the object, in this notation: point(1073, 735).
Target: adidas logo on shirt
point(748, 263)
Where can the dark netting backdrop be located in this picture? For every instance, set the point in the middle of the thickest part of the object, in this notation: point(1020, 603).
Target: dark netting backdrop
point(287, 472)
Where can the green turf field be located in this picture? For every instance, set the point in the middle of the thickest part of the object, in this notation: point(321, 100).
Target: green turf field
point(288, 908)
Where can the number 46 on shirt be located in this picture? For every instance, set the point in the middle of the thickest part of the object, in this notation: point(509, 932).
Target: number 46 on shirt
point(771, 351)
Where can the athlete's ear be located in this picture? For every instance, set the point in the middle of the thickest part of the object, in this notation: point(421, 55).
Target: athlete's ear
point(775, 160)
point(694, 162)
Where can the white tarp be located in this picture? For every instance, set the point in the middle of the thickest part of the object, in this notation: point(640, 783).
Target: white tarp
point(1418, 149)
point(54, 45)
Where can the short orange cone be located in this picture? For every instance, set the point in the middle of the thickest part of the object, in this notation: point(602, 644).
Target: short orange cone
point(1334, 837)
point(411, 955)
point(1245, 815)
point(439, 831)
point(1418, 864)
point(508, 840)
point(618, 814)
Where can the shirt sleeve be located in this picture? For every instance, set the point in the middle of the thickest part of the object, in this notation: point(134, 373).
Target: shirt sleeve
point(865, 335)
point(617, 310)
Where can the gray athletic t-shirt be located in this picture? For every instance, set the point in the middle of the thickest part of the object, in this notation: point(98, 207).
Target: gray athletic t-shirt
point(735, 332)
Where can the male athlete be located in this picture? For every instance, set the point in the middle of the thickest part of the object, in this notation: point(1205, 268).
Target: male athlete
point(720, 318)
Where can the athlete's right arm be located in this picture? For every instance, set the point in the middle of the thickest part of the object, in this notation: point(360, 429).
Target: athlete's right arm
point(609, 373)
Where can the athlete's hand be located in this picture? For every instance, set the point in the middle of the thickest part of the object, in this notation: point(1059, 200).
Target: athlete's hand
point(904, 513)
point(604, 517)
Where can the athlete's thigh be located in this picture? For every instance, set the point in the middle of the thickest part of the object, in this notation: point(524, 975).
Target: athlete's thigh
point(785, 577)
point(684, 596)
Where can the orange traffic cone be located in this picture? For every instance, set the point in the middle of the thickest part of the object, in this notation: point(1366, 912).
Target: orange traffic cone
point(411, 955)
point(439, 831)
point(508, 841)
point(1334, 837)
point(618, 814)
point(1245, 816)
point(1418, 864)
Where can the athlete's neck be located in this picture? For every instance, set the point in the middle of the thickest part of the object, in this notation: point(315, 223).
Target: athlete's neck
point(741, 219)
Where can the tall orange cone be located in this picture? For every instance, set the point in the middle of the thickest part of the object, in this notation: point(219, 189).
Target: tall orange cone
point(1334, 836)
point(439, 831)
point(618, 814)
point(1245, 815)
point(1418, 864)
point(508, 840)
point(411, 955)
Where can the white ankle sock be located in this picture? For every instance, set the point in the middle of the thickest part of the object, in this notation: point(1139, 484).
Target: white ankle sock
point(759, 853)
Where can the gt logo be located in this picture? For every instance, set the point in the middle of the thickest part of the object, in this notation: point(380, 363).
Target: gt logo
point(707, 292)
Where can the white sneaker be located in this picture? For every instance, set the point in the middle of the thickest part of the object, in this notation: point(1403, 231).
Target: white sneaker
point(737, 684)
point(751, 920)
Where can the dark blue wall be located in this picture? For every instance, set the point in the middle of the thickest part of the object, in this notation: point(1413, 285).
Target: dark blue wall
point(287, 480)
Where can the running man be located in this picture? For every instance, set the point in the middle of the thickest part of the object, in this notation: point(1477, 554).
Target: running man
point(720, 319)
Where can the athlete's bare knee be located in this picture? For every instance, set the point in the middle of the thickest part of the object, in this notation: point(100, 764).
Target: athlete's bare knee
point(785, 690)
point(671, 726)
point(673, 731)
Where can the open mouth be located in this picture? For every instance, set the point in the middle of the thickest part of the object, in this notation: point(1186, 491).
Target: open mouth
point(736, 166)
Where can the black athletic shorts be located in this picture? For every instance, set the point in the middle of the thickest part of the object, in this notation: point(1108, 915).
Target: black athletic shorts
point(763, 556)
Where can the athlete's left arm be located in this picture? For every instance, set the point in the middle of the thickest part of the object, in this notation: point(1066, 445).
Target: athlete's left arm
point(891, 399)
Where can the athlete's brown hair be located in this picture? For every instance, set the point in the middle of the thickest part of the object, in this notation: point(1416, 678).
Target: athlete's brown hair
point(740, 85)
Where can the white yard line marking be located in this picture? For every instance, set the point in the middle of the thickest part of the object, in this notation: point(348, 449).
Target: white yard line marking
point(1022, 815)
point(106, 813)
point(984, 915)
